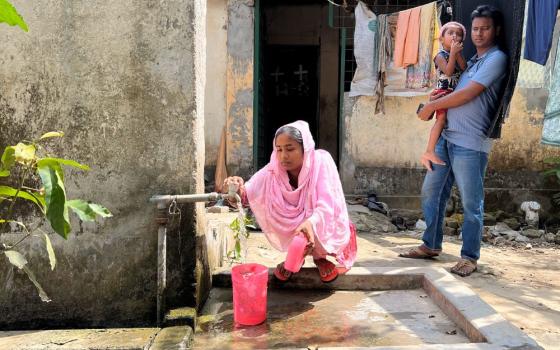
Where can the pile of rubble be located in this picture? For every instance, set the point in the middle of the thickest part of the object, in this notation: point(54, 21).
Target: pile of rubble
point(500, 228)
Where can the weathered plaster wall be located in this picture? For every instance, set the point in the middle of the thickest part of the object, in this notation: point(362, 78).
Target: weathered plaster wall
point(123, 80)
point(216, 61)
point(239, 87)
point(381, 152)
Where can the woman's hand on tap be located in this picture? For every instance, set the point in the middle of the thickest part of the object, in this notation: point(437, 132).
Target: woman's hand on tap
point(235, 180)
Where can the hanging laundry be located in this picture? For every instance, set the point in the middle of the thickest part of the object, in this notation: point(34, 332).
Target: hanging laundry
point(551, 125)
point(418, 76)
point(445, 12)
point(395, 77)
point(435, 42)
point(365, 76)
point(533, 75)
point(541, 18)
point(384, 56)
point(407, 38)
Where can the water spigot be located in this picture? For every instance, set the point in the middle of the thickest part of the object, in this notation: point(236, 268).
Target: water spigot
point(232, 193)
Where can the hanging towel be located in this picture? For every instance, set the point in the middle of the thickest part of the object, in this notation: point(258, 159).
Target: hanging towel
point(551, 126)
point(541, 18)
point(400, 38)
point(419, 75)
point(407, 39)
point(365, 77)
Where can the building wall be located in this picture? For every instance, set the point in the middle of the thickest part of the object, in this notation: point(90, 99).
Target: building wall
point(239, 87)
point(123, 81)
point(381, 152)
point(216, 62)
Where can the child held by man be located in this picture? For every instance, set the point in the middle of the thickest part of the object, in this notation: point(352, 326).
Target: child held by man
point(449, 63)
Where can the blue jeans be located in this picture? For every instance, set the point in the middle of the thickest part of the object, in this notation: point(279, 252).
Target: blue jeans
point(465, 167)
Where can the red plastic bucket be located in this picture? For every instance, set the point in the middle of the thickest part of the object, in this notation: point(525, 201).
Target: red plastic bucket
point(250, 282)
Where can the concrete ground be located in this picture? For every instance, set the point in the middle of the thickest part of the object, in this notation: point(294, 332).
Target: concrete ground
point(521, 284)
point(179, 337)
point(312, 318)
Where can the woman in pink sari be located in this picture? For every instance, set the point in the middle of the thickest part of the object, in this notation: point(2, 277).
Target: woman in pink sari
point(299, 191)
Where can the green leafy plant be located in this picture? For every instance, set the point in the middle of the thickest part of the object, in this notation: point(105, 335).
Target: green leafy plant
point(553, 171)
point(9, 15)
point(29, 161)
point(239, 233)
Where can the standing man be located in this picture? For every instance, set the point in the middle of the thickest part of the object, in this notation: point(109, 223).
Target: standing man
point(463, 146)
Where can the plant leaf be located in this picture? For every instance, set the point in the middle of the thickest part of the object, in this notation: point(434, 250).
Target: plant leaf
point(35, 198)
point(55, 198)
point(237, 248)
point(50, 251)
point(44, 297)
point(100, 210)
point(24, 153)
point(87, 211)
point(68, 162)
point(82, 209)
point(52, 134)
point(4, 173)
point(16, 258)
point(8, 158)
point(549, 172)
point(9, 15)
point(20, 262)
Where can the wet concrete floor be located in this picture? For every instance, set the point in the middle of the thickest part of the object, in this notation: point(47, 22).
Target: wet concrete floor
point(310, 318)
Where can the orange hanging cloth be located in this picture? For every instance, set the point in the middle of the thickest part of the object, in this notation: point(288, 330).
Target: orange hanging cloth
point(412, 44)
point(400, 37)
point(407, 38)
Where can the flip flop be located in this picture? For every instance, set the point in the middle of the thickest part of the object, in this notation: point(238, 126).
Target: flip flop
point(419, 252)
point(323, 265)
point(464, 268)
point(281, 273)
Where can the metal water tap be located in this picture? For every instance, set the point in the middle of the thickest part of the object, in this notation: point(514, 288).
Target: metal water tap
point(190, 198)
point(232, 192)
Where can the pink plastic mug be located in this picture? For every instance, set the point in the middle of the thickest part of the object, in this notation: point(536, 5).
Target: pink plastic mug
point(250, 283)
point(295, 256)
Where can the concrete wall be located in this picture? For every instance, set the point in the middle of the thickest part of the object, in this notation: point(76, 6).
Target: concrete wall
point(239, 87)
point(216, 61)
point(123, 80)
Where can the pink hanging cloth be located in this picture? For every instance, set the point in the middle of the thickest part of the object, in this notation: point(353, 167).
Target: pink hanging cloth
point(279, 209)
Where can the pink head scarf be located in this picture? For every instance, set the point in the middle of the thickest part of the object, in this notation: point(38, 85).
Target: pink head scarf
point(319, 198)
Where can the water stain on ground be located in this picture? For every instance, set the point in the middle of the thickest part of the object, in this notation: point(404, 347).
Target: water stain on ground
point(302, 318)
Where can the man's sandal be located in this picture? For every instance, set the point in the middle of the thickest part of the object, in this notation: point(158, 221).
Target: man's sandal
point(420, 252)
point(464, 267)
point(327, 270)
point(281, 273)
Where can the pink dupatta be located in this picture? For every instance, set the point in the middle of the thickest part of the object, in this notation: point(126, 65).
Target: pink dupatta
point(279, 209)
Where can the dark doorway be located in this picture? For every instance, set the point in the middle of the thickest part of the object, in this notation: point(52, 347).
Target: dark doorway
point(296, 73)
point(291, 87)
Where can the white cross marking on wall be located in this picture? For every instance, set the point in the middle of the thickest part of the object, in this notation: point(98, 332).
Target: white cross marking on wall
point(300, 72)
point(276, 74)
